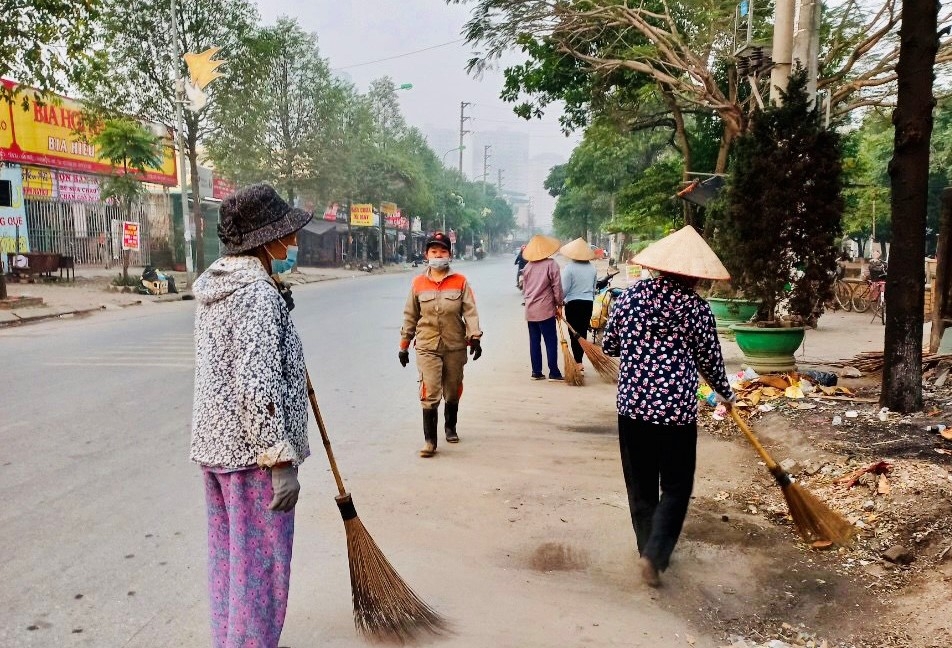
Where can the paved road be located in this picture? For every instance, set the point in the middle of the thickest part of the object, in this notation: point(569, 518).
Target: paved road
point(102, 516)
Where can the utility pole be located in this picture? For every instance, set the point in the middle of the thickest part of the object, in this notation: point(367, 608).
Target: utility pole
point(180, 142)
point(499, 181)
point(782, 54)
point(486, 157)
point(462, 131)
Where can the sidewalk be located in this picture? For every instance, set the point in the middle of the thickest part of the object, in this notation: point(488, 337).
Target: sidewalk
point(93, 291)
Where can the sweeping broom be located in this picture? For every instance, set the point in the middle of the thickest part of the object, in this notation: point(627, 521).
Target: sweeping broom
point(606, 366)
point(573, 376)
point(385, 608)
point(815, 521)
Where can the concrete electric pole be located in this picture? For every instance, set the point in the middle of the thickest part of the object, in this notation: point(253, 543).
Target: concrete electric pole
point(486, 157)
point(462, 131)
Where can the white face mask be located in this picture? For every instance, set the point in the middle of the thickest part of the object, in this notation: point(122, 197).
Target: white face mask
point(439, 263)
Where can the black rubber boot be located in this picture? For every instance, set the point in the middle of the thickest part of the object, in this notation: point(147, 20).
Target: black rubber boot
point(430, 422)
point(449, 415)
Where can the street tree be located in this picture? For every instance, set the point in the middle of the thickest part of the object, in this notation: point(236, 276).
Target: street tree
point(687, 51)
point(131, 149)
point(277, 114)
point(136, 37)
point(909, 174)
point(43, 44)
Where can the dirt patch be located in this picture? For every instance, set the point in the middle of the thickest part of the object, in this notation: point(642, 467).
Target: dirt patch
point(851, 598)
point(555, 556)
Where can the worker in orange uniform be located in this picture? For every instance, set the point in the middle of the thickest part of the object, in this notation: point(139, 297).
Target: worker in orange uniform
point(440, 314)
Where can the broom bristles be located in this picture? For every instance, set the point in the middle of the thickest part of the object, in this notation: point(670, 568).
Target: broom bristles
point(385, 608)
point(606, 366)
point(814, 520)
point(571, 371)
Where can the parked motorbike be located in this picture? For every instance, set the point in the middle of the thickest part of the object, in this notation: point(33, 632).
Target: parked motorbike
point(605, 296)
point(519, 278)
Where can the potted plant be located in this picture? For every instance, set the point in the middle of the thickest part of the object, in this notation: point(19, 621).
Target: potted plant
point(730, 306)
point(778, 230)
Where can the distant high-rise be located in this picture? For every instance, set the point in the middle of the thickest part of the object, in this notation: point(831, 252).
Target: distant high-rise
point(442, 140)
point(509, 152)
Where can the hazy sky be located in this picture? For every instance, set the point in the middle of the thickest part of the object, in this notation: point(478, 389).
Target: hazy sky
point(353, 34)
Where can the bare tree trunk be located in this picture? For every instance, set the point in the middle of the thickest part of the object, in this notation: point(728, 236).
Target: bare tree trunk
point(3, 283)
point(909, 174)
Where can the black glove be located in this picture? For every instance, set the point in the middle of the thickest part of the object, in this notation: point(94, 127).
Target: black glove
point(285, 291)
point(404, 356)
point(475, 348)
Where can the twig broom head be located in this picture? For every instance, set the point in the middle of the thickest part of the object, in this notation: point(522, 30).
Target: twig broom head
point(385, 608)
point(573, 376)
point(814, 520)
point(606, 366)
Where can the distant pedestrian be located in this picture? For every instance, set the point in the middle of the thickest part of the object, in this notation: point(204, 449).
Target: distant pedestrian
point(664, 334)
point(249, 421)
point(520, 264)
point(440, 315)
point(578, 284)
point(542, 288)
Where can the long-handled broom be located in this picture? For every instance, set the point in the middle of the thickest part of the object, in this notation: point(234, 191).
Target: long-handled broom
point(606, 366)
point(573, 376)
point(385, 608)
point(814, 520)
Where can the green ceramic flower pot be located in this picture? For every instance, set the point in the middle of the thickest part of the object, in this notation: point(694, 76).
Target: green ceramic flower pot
point(769, 350)
point(731, 311)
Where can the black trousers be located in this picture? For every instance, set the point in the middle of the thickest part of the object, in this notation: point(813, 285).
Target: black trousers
point(578, 313)
point(658, 462)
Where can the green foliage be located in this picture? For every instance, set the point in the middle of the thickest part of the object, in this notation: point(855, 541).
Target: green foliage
point(126, 144)
point(784, 208)
point(647, 205)
point(277, 114)
point(45, 44)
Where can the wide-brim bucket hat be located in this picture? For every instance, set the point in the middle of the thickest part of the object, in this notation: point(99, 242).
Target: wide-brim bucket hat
point(685, 253)
point(578, 250)
point(255, 215)
point(541, 247)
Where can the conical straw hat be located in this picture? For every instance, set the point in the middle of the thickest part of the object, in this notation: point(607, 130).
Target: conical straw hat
point(683, 253)
point(541, 247)
point(578, 250)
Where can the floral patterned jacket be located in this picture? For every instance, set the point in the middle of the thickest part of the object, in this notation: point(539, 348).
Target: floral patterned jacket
point(250, 405)
point(664, 334)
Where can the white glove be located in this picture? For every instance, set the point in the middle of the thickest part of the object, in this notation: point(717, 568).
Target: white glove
point(726, 400)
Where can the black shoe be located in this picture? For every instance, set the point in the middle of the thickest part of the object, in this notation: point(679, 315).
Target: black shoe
point(556, 378)
point(537, 377)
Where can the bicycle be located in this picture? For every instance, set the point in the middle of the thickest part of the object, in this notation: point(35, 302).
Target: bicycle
point(873, 294)
point(843, 294)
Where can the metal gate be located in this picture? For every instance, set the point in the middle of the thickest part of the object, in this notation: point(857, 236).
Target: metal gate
point(92, 232)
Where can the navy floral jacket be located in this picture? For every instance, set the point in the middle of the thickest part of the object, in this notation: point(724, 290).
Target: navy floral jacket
point(664, 334)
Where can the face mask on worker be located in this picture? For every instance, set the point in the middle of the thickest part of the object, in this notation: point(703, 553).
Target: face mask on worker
point(439, 263)
point(284, 266)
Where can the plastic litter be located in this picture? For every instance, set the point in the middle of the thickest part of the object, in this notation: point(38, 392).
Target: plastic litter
point(935, 429)
point(824, 378)
point(851, 414)
point(837, 420)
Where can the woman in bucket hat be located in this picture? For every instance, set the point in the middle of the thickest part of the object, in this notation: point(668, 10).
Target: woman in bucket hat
point(578, 284)
point(440, 315)
point(542, 289)
point(249, 420)
point(665, 335)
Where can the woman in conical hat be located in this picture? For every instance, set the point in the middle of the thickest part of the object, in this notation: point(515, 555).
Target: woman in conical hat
point(578, 284)
point(665, 335)
point(542, 289)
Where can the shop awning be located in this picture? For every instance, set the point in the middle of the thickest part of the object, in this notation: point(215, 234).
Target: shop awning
point(320, 228)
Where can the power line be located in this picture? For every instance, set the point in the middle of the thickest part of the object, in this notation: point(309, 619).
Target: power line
point(396, 56)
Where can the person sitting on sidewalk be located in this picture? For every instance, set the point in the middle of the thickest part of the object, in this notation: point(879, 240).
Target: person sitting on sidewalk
point(542, 288)
point(440, 314)
point(664, 334)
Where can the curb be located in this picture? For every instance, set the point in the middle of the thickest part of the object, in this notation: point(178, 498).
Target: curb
point(20, 321)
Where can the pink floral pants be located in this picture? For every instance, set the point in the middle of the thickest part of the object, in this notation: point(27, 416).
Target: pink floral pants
point(249, 559)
